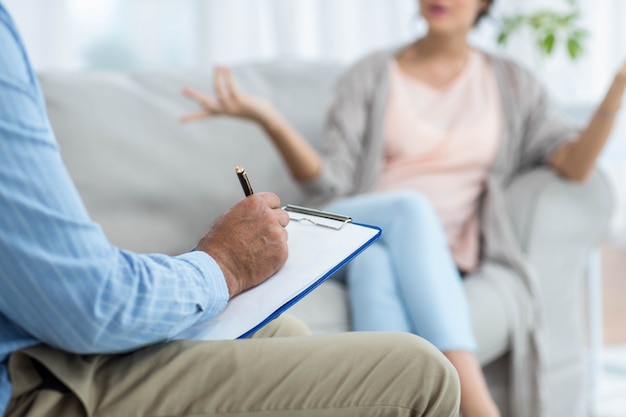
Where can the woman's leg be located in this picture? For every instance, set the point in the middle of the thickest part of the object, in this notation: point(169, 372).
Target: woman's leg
point(419, 267)
point(411, 262)
point(475, 397)
point(373, 293)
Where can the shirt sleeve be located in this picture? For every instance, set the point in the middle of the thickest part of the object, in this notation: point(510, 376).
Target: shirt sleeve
point(61, 281)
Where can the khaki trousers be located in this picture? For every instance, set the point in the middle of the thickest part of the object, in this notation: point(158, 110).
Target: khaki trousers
point(351, 374)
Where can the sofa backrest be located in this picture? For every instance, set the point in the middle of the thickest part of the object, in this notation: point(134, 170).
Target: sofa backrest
point(156, 185)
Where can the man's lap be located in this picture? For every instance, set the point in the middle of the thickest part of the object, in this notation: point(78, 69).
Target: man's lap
point(332, 374)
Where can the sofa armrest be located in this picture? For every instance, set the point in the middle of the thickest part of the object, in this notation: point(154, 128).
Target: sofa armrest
point(544, 208)
point(559, 224)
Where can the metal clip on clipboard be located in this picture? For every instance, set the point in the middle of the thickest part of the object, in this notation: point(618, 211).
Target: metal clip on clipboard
point(305, 212)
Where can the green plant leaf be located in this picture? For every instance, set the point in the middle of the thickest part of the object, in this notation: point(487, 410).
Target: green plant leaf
point(502, 38)
point(546, 43)
point(511, 24)
point(574, 48)
point(539, 20)
point(548, 28)
point(569, 18)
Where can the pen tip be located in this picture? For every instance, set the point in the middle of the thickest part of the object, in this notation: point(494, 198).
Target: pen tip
point(239, 169)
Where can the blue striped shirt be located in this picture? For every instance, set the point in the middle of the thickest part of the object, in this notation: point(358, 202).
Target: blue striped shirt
point(61, 282)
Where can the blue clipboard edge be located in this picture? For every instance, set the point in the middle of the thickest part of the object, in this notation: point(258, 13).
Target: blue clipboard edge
point(280, 310)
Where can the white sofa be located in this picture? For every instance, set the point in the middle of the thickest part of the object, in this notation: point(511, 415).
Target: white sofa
point(156, 185)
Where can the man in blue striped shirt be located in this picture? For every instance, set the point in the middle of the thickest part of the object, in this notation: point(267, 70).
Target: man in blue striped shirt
point(84, 325)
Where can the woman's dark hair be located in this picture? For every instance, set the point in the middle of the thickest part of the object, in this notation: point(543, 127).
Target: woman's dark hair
point(483, 12)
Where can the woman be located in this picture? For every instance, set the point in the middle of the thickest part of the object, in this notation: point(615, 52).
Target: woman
point(421, 140)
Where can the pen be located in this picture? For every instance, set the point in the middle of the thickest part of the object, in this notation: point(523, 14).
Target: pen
point(243, 179)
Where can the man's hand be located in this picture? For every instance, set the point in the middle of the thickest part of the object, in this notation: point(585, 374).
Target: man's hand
point(249, 242)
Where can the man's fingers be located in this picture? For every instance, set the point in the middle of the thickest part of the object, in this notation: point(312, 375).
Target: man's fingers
point(270, 199)
point(283, 217)
point(264, 201)
point(273, 202)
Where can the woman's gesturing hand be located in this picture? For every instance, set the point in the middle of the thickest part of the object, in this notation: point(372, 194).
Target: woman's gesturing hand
point(302, 159)
point(615, 94)
point(228, 101)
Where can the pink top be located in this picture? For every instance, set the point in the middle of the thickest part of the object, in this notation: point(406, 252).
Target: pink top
point(442, 142)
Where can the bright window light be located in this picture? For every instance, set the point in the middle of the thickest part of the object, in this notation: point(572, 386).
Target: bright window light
point(92, 12)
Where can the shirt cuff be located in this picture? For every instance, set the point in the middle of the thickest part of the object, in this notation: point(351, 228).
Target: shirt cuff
point(214, 280)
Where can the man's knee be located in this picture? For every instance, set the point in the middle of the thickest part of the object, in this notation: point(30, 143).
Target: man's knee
point(439, 381)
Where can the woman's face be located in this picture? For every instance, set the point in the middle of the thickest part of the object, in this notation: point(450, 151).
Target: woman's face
point(451, 16)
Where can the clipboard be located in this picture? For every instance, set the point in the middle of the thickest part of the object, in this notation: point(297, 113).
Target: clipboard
point(320, 243)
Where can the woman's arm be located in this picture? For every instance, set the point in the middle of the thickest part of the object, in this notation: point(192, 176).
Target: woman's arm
point(301, 158)
point(576, 160)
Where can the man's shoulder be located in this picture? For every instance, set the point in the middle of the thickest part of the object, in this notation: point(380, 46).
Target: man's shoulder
point(14, 66)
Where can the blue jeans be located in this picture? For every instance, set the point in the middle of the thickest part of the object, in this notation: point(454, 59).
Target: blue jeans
point(406, 281)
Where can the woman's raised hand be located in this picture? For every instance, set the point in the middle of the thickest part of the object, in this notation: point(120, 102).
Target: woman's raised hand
point(228, 101)
point(302, 159)
point(615, 94)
